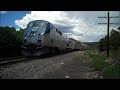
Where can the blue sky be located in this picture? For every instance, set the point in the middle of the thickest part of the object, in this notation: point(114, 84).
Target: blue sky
point(8, 18)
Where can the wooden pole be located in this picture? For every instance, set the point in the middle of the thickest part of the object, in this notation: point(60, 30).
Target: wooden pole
point(108, 37)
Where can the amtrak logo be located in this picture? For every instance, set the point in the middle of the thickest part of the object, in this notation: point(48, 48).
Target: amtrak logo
point(34, 28)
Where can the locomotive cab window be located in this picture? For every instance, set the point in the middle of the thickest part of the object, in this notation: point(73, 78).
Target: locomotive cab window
point(39, 27)
point(35, 24)
point(47, 28)
point(30, 24)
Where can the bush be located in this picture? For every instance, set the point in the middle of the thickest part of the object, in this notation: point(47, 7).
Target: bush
point(109, 67)
point(114, 41)
point(97, 61)
point(10, 41)
point(112, 72)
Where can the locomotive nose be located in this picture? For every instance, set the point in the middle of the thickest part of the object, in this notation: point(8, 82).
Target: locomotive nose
point(33, 38)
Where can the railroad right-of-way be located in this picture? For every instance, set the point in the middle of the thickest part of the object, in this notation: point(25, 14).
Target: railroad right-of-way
point(73, 65)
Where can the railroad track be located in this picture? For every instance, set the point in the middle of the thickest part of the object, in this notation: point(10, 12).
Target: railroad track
point(11, 60)
point(5, 61)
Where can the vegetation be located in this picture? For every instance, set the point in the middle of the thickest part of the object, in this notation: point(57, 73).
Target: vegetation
point(109, 67)
point(98, 61)
point(114, 40)
point(10, 41)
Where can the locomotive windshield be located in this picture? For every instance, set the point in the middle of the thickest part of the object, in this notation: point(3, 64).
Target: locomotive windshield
point(38, 27)
point(37, 24)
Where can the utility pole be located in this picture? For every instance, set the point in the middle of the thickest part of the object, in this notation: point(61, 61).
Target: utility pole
point(108, 23)
point(108, 36)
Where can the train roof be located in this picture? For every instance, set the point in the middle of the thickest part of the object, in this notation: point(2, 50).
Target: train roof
point(39, 21)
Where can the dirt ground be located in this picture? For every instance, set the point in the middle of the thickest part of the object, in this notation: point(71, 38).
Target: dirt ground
point(76, 68)
point(72, 65)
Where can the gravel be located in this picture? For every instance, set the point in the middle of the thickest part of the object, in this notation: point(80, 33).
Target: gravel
point(69, 65)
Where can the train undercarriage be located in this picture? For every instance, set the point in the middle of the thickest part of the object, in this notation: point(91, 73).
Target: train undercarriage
point(33, 50)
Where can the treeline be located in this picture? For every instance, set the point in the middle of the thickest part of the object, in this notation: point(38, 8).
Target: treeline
point(114, 41)
point(92, 45)
point(10, 41)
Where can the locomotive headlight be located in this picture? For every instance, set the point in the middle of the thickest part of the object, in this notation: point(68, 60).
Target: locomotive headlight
point(41, 33)
point(25, 38)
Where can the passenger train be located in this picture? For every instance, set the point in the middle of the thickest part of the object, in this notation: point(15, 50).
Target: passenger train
point(41, 37)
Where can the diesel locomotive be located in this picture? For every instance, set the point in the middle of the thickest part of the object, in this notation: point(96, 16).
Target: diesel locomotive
point(41, 37)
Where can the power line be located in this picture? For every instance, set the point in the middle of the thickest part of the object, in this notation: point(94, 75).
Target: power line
point(108, 24)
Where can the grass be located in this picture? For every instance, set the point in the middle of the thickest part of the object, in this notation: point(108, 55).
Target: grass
point(109, 71)
point(97, 61)
point(112, 72)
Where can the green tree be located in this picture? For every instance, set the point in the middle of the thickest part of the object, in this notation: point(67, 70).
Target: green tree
point(20, 34)
point(102, 45)
point(7, 35)
point(10, 41)
point(114, 39)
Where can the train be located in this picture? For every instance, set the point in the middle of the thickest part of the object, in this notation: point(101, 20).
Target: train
point(42, 37)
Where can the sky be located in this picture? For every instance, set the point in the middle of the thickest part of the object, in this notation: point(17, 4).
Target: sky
point(80, 25)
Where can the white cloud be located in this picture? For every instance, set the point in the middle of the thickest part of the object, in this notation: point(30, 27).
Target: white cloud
point(80, 25)
point(3, 12)
point(50, 16)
